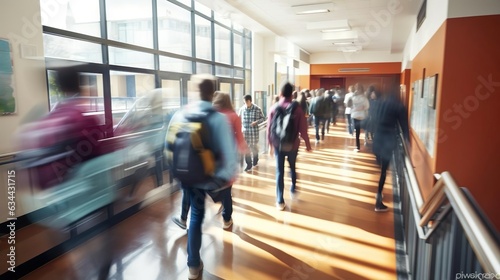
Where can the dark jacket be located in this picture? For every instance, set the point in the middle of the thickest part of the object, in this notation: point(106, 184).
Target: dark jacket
point(389, 114)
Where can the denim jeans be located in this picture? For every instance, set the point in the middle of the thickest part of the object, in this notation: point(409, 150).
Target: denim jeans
point(227, 204)
point(197, 198)
point(253, 156)
point(349, 124)
point(280, 172)
point(357, 127)
point(185, 204)
point(317, 122)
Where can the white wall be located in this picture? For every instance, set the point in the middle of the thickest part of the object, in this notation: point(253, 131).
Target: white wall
point(467, 8)
point(436, 15)
point(20, 23)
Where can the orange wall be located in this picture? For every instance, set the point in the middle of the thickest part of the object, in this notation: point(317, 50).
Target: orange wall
point(468, 143)
point(430, 58)
point(379, 74)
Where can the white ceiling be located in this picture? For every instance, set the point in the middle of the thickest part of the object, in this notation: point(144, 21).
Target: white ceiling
point(382, 25)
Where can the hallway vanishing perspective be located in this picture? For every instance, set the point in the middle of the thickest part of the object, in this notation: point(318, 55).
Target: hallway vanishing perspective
point(329, 231)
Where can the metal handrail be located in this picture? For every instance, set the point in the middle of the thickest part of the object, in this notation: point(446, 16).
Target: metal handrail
point(483, 242)
point(480, 238)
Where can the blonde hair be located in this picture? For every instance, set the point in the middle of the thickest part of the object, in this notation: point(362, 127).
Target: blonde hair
point(222, 100)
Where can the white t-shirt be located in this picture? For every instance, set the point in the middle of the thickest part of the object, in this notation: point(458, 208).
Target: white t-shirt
point(346, 99)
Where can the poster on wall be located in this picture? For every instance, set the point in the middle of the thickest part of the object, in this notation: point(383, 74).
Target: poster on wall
point(423, 115)
point(7, 98)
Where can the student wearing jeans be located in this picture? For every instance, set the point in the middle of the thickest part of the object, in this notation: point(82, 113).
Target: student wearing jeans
point(300, 123)
point(224, 147)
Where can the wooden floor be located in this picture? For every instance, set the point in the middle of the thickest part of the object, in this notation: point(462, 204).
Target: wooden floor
point(330, 231)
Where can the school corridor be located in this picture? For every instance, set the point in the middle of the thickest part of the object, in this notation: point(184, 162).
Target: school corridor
point(329, 231)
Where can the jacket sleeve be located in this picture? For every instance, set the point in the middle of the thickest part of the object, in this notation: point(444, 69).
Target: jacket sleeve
point(240, 140)
point(269, 119)
point(302, 123)
point(222, 136)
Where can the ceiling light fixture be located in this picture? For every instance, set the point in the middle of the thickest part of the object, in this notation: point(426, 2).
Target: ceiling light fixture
point(317, 8)
point(341, 36)
point(343, 43)
point(330, 25)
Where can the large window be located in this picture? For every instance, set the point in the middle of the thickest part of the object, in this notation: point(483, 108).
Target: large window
point(203, 38)
point(134, 60)
point(72, 15)
point(238, 50)
point(174, 28)
point(130, 22)
point(222, 44)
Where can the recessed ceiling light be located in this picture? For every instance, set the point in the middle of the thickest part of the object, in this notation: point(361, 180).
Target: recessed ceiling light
point(341, 36)
point(317, 8)
point(330, 25)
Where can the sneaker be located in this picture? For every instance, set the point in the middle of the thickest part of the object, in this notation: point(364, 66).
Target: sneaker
point(248, 168)
point(293, 195)
point(317, 141)
point(381, 208)
point(180, 222)
point(227, 224)
point(356, 150)
point(194, 272)
point(280, 206)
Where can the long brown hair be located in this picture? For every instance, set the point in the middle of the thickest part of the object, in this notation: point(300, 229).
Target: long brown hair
point(222, 100)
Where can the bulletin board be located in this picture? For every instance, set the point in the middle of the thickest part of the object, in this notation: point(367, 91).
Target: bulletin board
point(423, 111)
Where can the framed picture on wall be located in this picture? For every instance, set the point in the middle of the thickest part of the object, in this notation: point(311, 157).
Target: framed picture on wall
point(431, 101)
point(7, 97)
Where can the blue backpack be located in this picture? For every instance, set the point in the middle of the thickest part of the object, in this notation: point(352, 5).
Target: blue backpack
point(192, 160)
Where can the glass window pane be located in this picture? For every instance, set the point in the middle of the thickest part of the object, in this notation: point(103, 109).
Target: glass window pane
point(64, 48)
point(239, 73)
point(203, 38)
point(225, 87)
point(238, 50)
point(174, 28)
point(92, 93)
point(223, 71)
point(203, 9)
point(130, 22)
point(203, 68)
point(248, 53)
point(171, 93)
point(248, 82)
point(193, 93)
point(175, 65)
point(72, 15)
point(222, 44)
point(126, 88)
point(124, 57)
point(238, 96)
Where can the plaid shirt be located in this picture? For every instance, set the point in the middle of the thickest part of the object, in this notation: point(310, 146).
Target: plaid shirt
point(248, 116)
